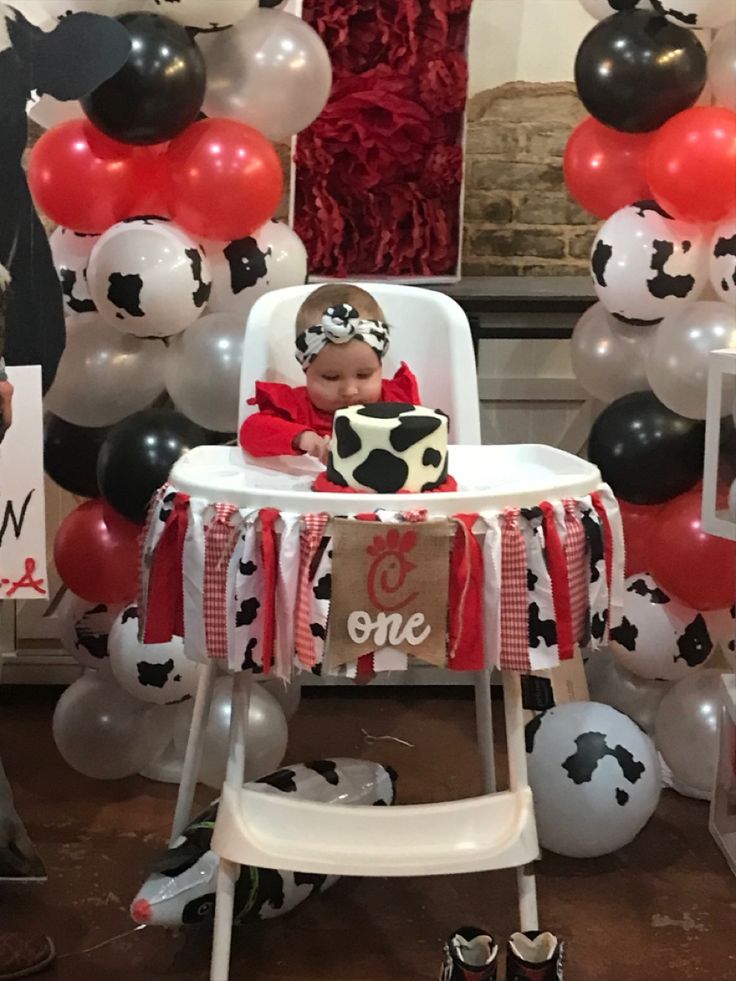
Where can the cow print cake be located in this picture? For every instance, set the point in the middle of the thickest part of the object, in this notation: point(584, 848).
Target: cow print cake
point(388, 448)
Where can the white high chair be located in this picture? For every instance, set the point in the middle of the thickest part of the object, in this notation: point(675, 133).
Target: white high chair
point(431, 333)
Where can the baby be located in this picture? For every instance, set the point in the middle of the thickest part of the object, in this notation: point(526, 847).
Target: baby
point(341, 340)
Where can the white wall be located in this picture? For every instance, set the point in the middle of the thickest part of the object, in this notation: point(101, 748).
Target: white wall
point(530, 40)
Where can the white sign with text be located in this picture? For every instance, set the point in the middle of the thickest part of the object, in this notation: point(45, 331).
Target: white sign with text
point(22, 506)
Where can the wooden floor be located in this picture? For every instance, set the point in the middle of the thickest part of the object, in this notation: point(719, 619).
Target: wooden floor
point(662, 909)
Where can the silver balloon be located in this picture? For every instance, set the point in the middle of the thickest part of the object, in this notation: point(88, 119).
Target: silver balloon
point(722, 66)
point(613, 685)
point(686, 731)
point(677, 365)
point(104, 375)
point(202, 371)
point(288, 696)
point(266, 738)
point(608, 361)
point(271, 71)
point(105, 733)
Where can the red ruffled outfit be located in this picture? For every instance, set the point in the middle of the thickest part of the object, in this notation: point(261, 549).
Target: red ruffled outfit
point(285, 412)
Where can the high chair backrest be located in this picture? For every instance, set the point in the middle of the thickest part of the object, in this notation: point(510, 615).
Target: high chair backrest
point(428, 330)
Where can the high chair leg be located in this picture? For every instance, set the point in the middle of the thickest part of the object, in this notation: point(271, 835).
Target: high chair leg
point(195, 743)
point(527, 885)
point(484, 727)
point(227, 874)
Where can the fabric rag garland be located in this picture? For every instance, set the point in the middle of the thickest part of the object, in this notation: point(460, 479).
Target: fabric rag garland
point(527, 584)
point(339, 325)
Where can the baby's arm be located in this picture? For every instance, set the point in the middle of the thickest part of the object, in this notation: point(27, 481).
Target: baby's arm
point(266, 434)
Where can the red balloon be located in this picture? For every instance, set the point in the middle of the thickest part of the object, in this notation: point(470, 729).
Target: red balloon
point(604, 168)
point(225, 179)
point(692, 566)
point(96, 552)
point(639, 521)
point(691, 165)
point(86, 182)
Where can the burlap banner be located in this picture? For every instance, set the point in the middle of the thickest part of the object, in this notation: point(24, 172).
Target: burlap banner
point(389, 589)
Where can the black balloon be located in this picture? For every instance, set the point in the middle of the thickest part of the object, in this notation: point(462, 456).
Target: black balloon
point(70, 455)
point(160, 89)
point(635, 70)
point(138, 454)
point(646, 452)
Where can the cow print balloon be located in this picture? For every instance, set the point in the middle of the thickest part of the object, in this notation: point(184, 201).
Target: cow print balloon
point(595, 778)
point(647, 266)
point(202, 15)
point(270, 259)
point(159, 673)
point(659, 638)
point(696, 13)
point(148, 277)
point(723, 261)
point(71, 251)
point(84, 629)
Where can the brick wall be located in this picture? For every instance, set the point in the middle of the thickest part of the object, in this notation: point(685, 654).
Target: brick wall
point(519, 219)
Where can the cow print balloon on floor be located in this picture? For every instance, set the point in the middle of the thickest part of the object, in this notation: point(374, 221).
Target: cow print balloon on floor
point(646, 265)
point(159, 673)
point(659, 638)
point(595, 778)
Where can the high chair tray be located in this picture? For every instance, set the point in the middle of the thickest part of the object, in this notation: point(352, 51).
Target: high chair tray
point(480, 833)
point(488, 477)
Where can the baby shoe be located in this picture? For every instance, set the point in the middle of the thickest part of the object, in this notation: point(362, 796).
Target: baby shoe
point(471, 954)
point(534, 956)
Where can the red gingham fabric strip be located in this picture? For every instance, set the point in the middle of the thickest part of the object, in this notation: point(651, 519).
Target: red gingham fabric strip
point(313, 527)
point(560, 587)
point(269, 558)
point(467, 652)
point(576, 561)
point(218, 543)
point(165, 606)
point(514, 598)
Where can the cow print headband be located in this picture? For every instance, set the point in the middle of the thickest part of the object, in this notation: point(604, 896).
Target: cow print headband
point(339, 325)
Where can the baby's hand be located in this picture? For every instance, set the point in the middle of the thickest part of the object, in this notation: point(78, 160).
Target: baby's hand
point(313, 445)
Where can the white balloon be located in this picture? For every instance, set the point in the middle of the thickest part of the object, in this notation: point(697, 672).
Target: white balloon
point(203, 371)
point(595, 778)
point(722, 66)
point(609, 360)
point(266, 738)
point(104, 376)
point(272, 71)
point(158, 673)
point(677, 363)
point(205, 15)
point(287, 694)
point(723, 260)
point(686, 732)
point(647, 266)
point(242, 271)
point(696, 13)
point(84, 629)
point(600, 9)
point(148, 277)
point(104, 733)
point(613, 685)
point(71, 251)
point(659, 638)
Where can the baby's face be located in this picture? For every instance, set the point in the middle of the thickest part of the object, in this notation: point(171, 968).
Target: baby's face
point(344, 374)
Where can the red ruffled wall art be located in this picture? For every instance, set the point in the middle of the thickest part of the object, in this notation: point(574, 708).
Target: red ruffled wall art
point(379, 174)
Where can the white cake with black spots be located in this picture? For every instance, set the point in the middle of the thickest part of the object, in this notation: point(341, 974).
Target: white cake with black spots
point(388, 448)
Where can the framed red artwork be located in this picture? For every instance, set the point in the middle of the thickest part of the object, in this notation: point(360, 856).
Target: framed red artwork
point(378, 177)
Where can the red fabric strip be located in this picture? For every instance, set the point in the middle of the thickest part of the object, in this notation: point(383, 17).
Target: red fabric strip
point(466, 598)
point(269, 559)
point(165, 611)
point(607, 536)
point(557, 567)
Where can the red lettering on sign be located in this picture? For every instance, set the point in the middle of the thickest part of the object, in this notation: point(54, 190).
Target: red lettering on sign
point(27, 580)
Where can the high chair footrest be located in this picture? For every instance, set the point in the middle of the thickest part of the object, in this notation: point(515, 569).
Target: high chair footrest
point(490, 832)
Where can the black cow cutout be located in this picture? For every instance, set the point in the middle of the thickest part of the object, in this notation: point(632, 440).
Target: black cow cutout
point(69, 62)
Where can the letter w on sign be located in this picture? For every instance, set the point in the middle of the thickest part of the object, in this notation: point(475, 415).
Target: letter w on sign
point(389, 589)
